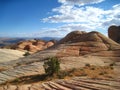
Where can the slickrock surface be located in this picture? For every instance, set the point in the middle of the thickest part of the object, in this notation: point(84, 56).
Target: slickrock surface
point(88, 43)
point(77, 83)
point(30, 65)
point(34, 65)
point(8, 55)
point(74, 51)
point(21, 71)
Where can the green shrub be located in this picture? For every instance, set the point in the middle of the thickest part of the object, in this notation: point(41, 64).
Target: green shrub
point(62, 74)
point(87, 64)
point(81, 69)
point(111, 67)
point(26, 54)
point(112, 64)
point(92, 68)
point(101, 73)
point(52, 66)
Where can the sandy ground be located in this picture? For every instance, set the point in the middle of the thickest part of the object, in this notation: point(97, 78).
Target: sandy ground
point(8, 55)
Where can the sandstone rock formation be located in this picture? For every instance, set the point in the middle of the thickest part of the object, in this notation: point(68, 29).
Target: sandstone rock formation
point(74, 51)
point(114, 33)
point(8, 55)
point(71, 84)
point(88, 43)
point(32, 45)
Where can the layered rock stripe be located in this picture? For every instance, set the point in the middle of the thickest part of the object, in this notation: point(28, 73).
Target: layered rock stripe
point(77, 83)
point(32, 45)
point(85, 44)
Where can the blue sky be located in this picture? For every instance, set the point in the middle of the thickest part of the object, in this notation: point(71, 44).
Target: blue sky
point(56, 18)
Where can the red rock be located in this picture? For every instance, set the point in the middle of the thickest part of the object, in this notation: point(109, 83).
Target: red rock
point(33, 45)
point(114, 33)
point(49, 44)
point(77, 43)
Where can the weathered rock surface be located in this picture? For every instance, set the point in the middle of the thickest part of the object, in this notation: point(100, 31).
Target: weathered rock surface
point(114, 33)
point(88, 43)
point(75, 51)
point(8, 55)
point(71, 84)
point(30, 65)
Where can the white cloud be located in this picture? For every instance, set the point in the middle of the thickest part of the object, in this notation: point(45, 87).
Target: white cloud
point(79, 2)
point(61, 31)
point(69, 14)
point(82, 27)
point(112, 16)
point(85, 18)
point(114, 21)
point(116, 6)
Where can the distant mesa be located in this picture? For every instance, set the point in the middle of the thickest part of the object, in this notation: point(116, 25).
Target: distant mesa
point(114, 33)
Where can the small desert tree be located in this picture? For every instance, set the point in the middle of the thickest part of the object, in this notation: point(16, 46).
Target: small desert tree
point(52, 66)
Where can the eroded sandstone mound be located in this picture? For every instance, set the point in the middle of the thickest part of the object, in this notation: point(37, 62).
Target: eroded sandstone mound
point(32, 45)
point(79, 43)
point(114, 33)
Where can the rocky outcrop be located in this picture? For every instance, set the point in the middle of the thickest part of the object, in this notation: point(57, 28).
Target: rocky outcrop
point(114, 33)
point(74, 51)
point(32, 45)
point(88, 43)
point(71, 36)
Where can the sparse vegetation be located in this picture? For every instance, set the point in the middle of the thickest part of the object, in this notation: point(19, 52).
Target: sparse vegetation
point(62, 74)
point(112, 64)
point(17, 80)
point(26, 54)
point(87, 64)
point(92, 71)
point(101, 73)
point(52, 66)
point(92, 68)
point(111, 68)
